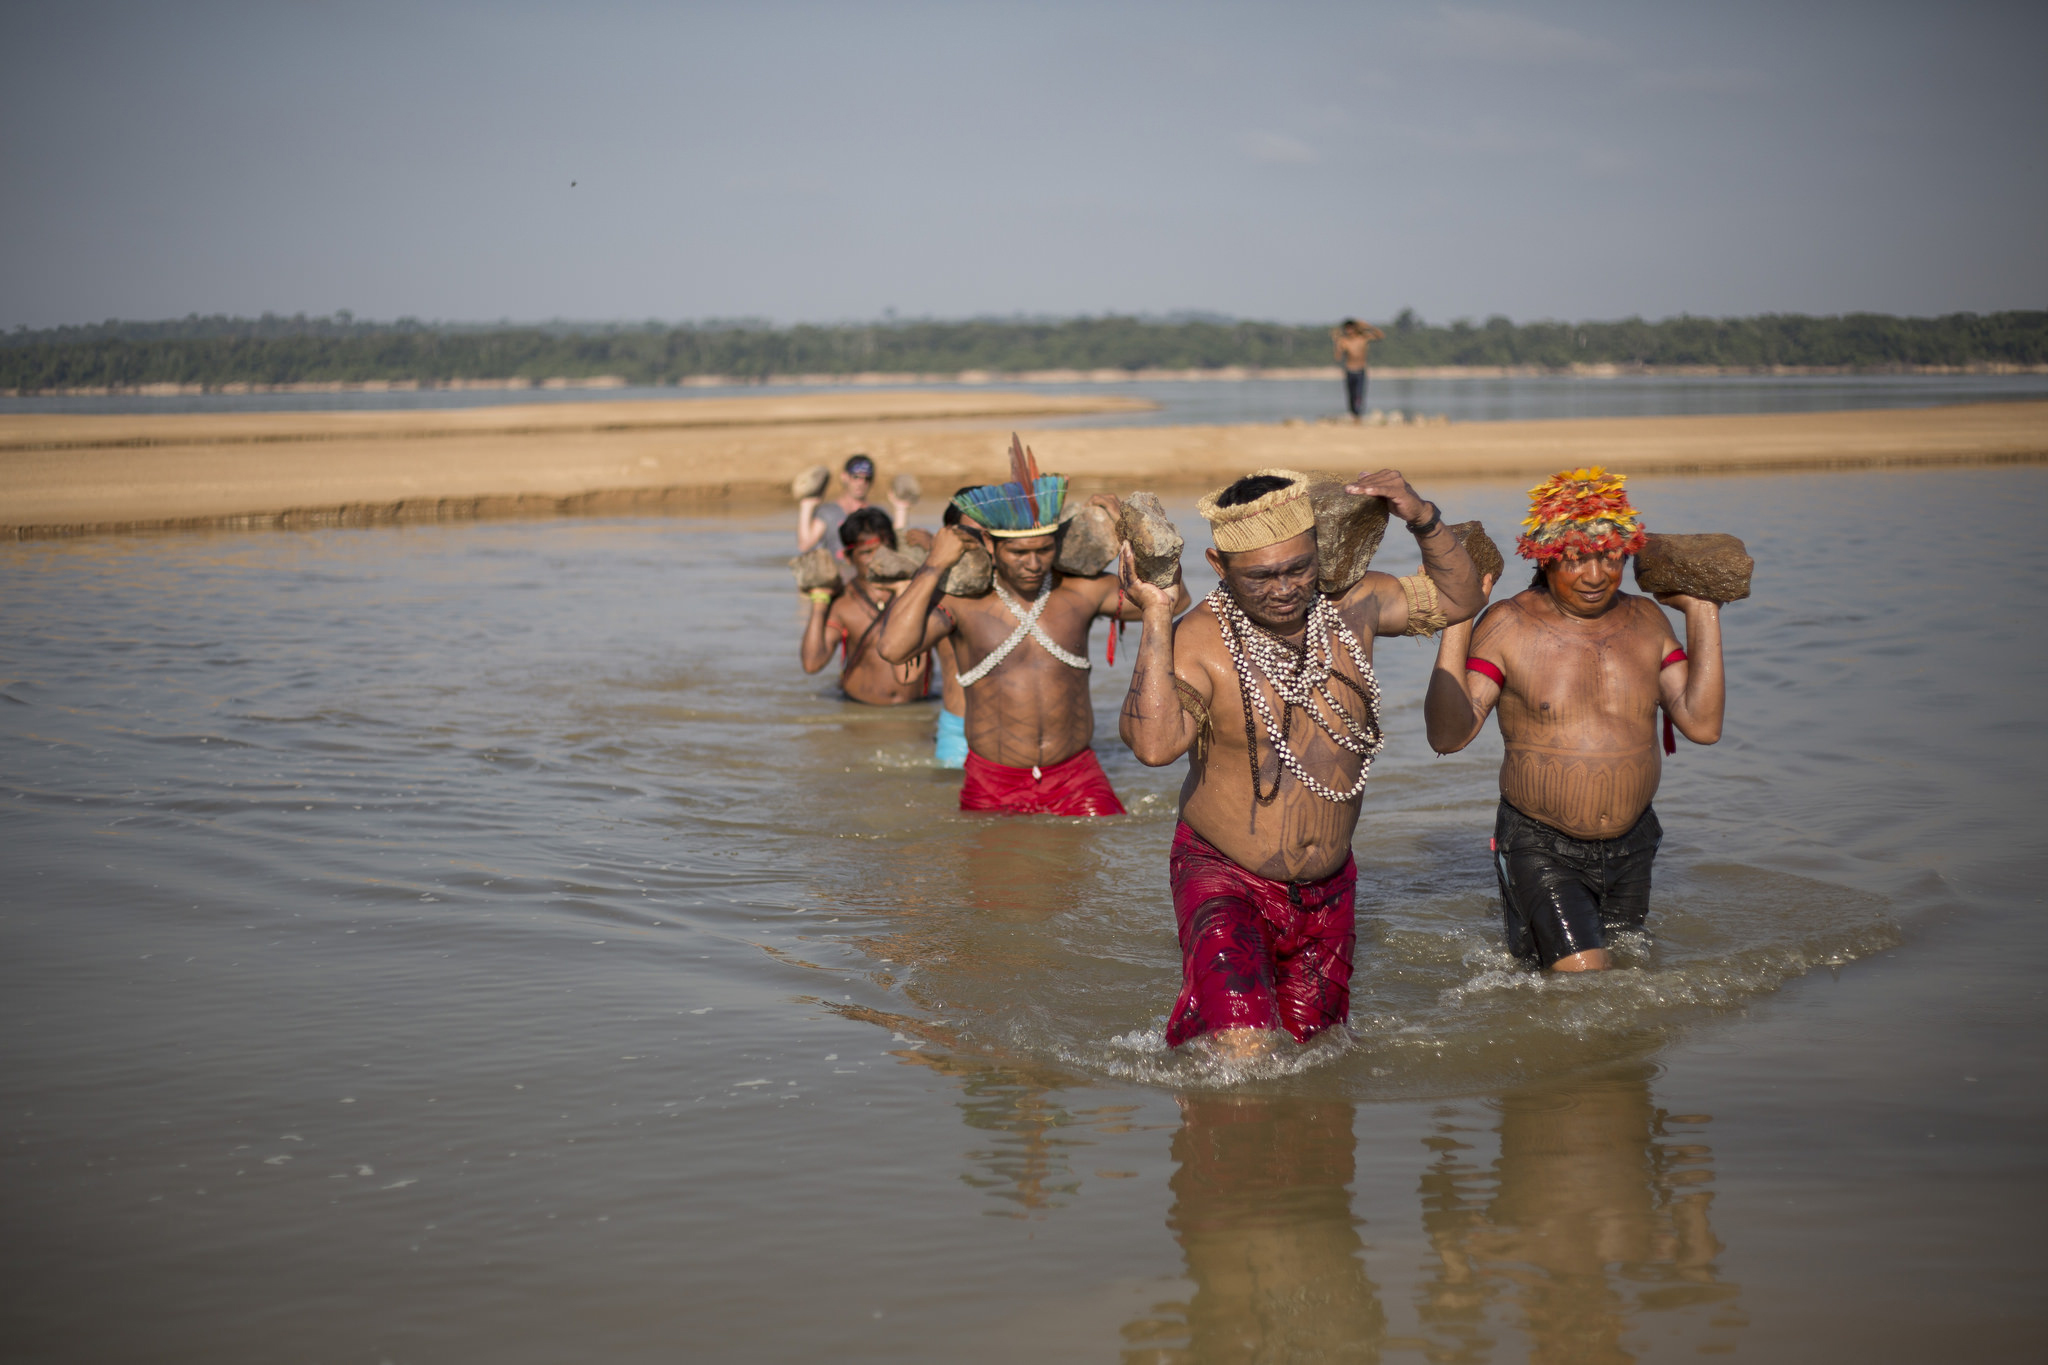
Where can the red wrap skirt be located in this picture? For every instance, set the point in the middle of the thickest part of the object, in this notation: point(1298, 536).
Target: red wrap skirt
point(1256, 953)
point(1076, 786)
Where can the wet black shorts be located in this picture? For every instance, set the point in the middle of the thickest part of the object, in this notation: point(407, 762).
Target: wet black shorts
point(1561, 895)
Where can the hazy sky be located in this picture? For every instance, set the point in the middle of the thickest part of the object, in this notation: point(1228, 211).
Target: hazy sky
point(828, 162)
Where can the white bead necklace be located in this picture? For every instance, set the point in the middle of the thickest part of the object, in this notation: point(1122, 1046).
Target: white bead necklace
point(1026, 625)
point(1298, 679)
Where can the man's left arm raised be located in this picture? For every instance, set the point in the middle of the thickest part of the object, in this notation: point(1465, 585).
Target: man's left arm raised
point(1444, 561)
point(1693, 689)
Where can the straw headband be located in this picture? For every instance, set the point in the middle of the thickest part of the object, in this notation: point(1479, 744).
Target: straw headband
point(1581, 513)
point(1266, 520)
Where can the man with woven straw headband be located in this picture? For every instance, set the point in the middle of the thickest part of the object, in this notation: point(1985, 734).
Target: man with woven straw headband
point(1578, 669)
point(1022, 649)
point(1268, 687)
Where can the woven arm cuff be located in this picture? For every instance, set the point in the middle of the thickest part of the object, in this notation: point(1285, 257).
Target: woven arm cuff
point(1424, 615)
point(1191, 702)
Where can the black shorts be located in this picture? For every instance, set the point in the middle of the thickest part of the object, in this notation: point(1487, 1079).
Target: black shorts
point(1561, 895)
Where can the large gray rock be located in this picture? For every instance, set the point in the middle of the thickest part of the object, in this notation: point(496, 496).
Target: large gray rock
point(1479, 546)
point(1088, 540)
point(815, 568)
point(893, 566)
point(971, 575)
point(811, 483)
point(1711, 566)
point(907, 488)
point(1349, 528)
point(1155, 544)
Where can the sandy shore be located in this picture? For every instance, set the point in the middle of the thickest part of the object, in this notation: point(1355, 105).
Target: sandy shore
point(71, 475)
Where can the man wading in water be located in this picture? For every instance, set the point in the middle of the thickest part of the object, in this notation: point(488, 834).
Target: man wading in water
point(853, 619)
point(1578, 669)
point(1261, 870)
point(1022, 650)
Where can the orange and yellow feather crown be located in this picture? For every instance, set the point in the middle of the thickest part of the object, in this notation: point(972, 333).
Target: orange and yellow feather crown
point(1581, 513)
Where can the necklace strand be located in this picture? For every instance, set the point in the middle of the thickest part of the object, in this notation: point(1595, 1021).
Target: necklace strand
point(1299, 678)
point(1027, 624)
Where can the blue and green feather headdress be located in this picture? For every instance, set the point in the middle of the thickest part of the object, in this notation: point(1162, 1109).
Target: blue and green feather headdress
point(1028, 505)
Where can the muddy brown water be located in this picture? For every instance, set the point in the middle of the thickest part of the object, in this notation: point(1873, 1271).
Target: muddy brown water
point(483, 943)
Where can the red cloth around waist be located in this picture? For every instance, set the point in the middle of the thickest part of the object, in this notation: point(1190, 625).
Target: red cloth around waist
point(1256, 953)
point(1074, 786)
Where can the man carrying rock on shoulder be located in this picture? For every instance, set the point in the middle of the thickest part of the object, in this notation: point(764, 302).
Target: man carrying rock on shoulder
point(1022, 651)
point(852, 618)
point(1577, 669)
point(1268, 687)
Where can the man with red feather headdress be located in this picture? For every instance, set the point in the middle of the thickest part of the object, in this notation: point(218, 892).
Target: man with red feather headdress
point(1577, 669)
point(1022, 649)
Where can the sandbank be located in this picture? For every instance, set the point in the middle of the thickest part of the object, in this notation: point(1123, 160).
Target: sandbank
point(1204, 374)
point(70, 475)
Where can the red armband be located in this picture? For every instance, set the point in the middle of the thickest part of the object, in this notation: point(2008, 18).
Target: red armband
point(1676, 656)
point(1486, 670)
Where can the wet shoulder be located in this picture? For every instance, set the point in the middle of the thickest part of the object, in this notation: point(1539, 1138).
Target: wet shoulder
point(1503, 624)
point(845, 609)
point(972, 614)
point(1198, 641)
point(1647, 618)
point(1089, 591)
point(1197, 628)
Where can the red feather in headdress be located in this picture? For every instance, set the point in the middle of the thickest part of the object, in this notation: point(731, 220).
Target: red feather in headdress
point(1024, 471)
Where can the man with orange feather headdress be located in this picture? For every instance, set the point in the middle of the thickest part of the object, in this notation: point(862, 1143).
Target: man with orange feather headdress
point(1022, 649)
point(1578, 669)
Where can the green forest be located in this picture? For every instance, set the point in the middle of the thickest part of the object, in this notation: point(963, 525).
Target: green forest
point(214, 351)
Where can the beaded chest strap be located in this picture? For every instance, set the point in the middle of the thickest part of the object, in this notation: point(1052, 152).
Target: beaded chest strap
point(1027, 624)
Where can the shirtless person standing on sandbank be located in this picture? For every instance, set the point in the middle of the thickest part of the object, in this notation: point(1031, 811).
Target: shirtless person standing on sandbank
point(1351, 342)
point(1022, 651)
point(1577, 669)
point(1261, 869)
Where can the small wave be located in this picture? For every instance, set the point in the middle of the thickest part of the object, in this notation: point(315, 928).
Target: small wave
point(1439, 1007)
point(1143, 1056)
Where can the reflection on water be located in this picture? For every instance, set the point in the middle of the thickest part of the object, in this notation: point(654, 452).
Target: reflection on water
point(1033, 1128)
point(1592, 1217)
point(1027, 1160)
point(1262, 1212)
point(1585, 1241)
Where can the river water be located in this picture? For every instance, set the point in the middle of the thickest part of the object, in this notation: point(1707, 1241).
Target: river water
point(481, 942)
point(1206, 402)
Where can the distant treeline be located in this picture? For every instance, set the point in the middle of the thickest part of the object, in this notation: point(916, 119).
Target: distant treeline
point(273, 350)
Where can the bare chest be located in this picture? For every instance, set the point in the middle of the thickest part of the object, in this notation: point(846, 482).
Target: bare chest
point(989, 626)
point(1561, 678)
